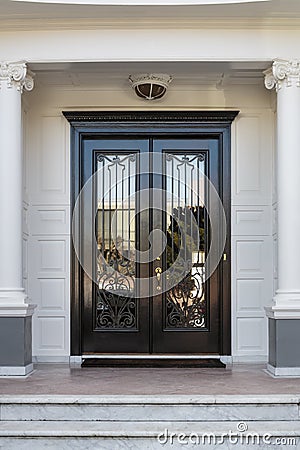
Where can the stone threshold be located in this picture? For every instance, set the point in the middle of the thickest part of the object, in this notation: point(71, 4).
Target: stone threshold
point(152, 399)
point(140, 429)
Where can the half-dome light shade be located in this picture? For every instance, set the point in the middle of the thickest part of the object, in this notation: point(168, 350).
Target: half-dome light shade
point(150, 86)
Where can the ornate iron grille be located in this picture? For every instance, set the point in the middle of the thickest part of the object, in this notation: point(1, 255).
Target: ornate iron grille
point(116, 303)
point(185, 303)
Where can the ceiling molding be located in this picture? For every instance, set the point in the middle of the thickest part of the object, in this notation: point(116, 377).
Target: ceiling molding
point(142, 2)
point(187, 75)
point(237, 23)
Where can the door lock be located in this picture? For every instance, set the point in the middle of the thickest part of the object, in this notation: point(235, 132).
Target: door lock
point(158, 272)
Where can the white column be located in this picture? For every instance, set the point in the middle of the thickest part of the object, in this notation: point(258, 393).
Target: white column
point(14, 77)
point(285, 77)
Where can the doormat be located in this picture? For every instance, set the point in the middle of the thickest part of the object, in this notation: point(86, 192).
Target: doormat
point(207, 363)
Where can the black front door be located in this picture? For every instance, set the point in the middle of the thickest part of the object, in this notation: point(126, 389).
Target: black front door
point(150, 218)
point(145, 287)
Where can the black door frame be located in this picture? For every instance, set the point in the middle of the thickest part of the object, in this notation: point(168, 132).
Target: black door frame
point(216, 124)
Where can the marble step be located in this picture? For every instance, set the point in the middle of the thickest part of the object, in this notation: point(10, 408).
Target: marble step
point(135, 408)
point(108, 435)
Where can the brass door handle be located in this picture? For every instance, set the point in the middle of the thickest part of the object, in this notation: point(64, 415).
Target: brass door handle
point(158, 272)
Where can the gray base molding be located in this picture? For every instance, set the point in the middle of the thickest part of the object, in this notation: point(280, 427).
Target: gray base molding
point(15, 345)
point(284, 348)
point(15, 371)
point(284, 372)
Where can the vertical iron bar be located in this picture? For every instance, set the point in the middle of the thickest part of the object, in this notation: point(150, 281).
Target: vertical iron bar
point(191, 212)
point(129, 212)
point(185, 211)
point(109, 215)
point(103, 210)
point(116, 211)
point(122, 206)
point(178, 212)
point(172, 212)
point(150, 183)
point(198, 209)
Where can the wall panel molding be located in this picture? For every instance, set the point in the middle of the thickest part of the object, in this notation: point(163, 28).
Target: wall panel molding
point(252, 159)
point(47, 157)
point(251, 220)
point(47, 219)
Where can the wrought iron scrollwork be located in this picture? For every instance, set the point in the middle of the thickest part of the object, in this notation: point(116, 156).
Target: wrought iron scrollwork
point(186, 301)
point(115, 311)
point(116, 305)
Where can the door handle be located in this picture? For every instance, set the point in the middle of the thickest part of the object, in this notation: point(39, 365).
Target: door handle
point(158, 272)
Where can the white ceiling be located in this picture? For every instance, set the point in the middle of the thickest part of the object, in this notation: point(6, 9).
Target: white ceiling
point(23, 11)
point(115, 75)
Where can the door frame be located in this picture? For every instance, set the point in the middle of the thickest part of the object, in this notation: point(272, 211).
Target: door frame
point(122, 124)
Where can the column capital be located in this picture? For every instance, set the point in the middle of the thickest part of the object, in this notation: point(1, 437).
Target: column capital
point(16, 74)
point(283, 72)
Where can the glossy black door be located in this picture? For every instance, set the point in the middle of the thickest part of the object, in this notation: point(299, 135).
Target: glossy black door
point(186, 314)
point(137, 299)
point(114, 317)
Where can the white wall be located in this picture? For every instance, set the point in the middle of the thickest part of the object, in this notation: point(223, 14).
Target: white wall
point(252, 245)
point(48, 171)
point(47, 184)
point(198, 41)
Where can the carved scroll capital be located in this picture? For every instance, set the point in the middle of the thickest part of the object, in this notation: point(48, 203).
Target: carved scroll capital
point(283, 72)
point(16, 75)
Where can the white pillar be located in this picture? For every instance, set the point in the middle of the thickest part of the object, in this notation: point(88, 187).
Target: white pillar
point(14, 77)
point(285, 77)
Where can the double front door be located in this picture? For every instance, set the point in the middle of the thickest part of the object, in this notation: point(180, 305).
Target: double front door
point(147, 283)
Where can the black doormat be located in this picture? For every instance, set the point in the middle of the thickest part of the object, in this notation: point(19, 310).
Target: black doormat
point(207, 363)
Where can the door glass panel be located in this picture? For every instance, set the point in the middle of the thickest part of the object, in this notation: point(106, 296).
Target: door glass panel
point(116, 303)
point(185, 300)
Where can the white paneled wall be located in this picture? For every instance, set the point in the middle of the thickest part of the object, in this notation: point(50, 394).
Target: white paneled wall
point(49, 224)
point(252, 245)
point(48, 204)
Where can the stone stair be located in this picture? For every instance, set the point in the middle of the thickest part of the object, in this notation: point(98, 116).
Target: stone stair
point(135, 422)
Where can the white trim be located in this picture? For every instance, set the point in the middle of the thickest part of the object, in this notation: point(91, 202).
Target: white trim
point(24, 310)
point(288, 312)
point(74, 360)
point(250, 359)
point(51, 359)
point(7, 371)
point(283, 371)
point(42, 47)
point(229, 23)
point(226, 359)
point(142, 2)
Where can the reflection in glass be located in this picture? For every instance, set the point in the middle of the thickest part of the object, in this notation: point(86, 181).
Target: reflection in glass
point(185, 303)
point(116, 306)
